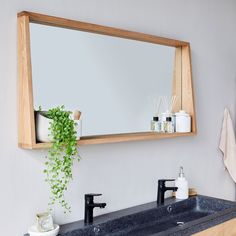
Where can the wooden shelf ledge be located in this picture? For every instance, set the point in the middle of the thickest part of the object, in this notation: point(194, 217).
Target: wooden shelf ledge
point(113, 138)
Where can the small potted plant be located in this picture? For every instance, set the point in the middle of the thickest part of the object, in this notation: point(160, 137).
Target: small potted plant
point(43, 125)
point(61, 155)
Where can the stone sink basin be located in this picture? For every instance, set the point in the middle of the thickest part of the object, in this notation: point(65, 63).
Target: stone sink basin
point(184, 217)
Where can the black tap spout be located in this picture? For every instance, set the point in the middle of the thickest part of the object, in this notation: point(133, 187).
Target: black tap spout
point(100, 205)
point(89, 206)
point(171, 188)
point(162, 189)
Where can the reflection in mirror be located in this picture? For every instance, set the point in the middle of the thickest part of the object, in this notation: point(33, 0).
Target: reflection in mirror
point(112, 80)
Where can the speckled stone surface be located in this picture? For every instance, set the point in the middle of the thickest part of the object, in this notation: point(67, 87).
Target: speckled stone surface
point(175, 218)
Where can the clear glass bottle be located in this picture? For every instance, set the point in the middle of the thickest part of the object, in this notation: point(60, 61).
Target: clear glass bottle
point(167, 125)
point(170, 125)
point(164, 126)
point(156, 124)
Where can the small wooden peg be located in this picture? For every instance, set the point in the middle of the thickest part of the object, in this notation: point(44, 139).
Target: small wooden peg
point(77, 114)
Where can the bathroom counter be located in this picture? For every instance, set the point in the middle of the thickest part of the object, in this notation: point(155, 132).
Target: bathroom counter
point(175, 217)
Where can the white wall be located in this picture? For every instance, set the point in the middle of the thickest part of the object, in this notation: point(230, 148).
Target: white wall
point(126, 173)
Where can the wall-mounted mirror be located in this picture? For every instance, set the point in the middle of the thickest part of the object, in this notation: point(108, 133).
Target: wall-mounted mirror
point(113, 76)
point(113, 81)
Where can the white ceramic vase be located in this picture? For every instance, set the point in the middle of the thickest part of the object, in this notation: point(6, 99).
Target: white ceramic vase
point(43, 124)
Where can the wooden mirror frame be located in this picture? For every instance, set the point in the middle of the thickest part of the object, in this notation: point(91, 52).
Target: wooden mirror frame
point(182, 81)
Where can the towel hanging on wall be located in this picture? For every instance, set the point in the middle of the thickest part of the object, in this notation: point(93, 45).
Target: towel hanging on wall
point(227, 144)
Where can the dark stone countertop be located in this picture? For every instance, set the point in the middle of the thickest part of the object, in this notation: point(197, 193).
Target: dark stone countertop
point(120, 222)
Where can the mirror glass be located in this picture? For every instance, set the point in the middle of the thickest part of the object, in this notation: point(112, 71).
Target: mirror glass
point(113, 81)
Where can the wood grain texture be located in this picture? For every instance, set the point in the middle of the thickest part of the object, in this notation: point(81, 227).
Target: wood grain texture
point(114, 138)
point(188, 103)
point(182, 80)
point(227, 228)
point(177, 80)
point(26, 123)
point(99, 29)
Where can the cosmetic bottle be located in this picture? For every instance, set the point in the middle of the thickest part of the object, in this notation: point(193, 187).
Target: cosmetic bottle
point(182, 184)
point(156, 124)
point(167, 125)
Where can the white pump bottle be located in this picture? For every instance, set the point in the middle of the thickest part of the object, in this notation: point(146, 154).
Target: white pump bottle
point(182, 184)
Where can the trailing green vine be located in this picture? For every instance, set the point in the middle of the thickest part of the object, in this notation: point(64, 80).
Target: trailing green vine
point(61, 155)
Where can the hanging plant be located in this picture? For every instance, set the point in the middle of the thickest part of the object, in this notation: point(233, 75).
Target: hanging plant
point(61, 155)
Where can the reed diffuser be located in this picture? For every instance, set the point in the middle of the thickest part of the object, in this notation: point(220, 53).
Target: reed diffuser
point(156, 122)
point(167, 117)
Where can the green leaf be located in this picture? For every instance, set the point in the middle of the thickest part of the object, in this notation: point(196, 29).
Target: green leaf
point(61, 155)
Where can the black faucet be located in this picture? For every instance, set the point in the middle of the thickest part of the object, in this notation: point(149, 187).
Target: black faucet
point(162, 189)
point(89, 205)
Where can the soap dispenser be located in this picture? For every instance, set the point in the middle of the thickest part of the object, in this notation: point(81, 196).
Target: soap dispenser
point(182, 184)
